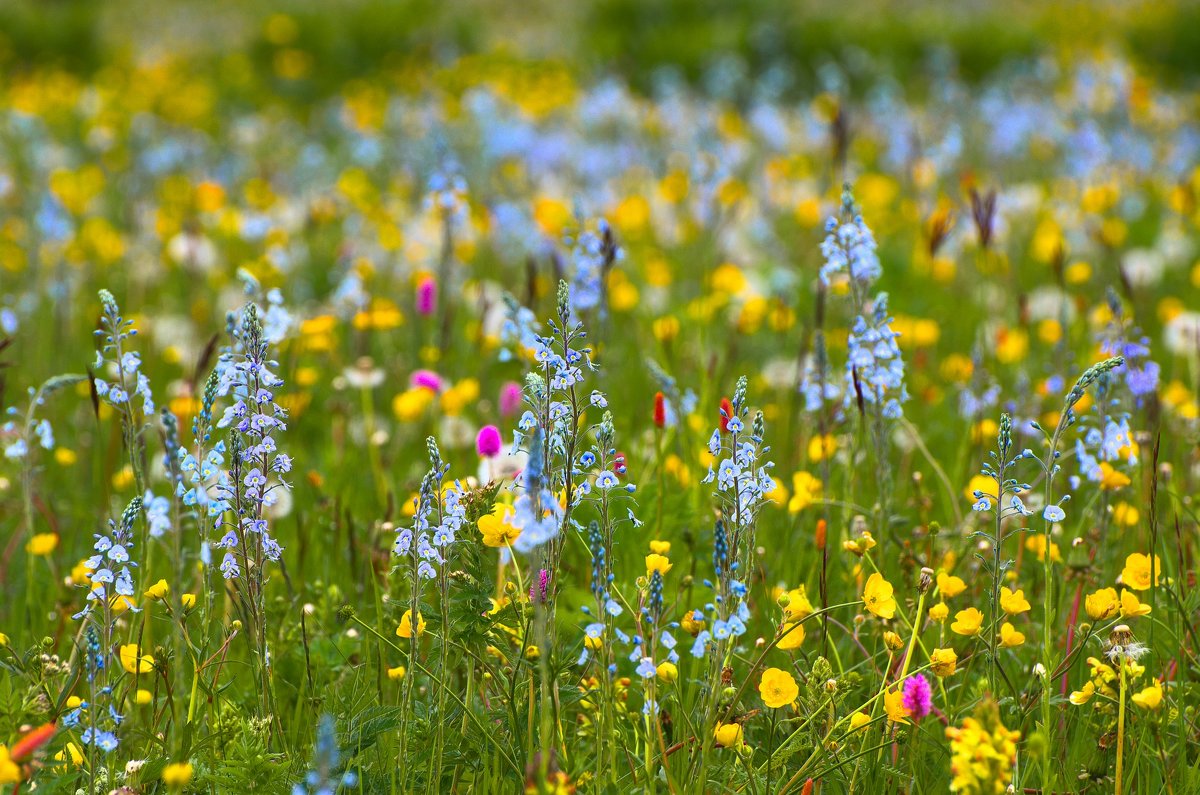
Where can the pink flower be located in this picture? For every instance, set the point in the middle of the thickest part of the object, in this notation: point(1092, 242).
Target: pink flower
point(538, 592)
point(918, 697)
point(510, 399)
point(488, 442)
point(427, 379)
point(426, 296)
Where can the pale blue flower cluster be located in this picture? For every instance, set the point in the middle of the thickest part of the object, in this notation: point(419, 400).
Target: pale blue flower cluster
point(250, 486)
point(439, 516)
point(874, 361)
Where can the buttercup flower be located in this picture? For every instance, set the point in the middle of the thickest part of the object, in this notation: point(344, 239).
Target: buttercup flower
point(778, 688)
point(1136, 574)
point(877, 595)
point(967, 622)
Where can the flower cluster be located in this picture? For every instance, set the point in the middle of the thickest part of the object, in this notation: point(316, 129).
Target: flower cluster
point(258, 467)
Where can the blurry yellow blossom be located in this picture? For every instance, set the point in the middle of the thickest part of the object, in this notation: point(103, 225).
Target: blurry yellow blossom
point(950, 586)
point(410, 404)
point(982, 756)
point(1150, 697)
point(822, 447)
point(42, 544)
point(806, 490)
point(1112, 479)
point(1036, 543)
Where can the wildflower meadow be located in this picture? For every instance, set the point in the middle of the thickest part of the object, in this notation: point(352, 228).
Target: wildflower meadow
point(406, 399)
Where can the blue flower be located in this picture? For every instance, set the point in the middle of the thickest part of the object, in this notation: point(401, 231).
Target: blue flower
point(1053, 513)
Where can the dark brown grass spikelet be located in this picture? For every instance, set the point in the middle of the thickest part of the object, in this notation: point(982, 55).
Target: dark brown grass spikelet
point(983, 212)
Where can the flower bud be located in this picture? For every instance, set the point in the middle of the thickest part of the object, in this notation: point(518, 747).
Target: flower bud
point(925, 581)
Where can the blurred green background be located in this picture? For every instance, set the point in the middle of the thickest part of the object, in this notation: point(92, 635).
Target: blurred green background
point(344, 39)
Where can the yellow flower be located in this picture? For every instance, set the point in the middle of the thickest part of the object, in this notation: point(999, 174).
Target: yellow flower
point(1125, 514)
point(1083, 695)
point(692, 622)
point(496, 527)
point(877, 595)
point(1131, 606)
point(1036, 544)
point(1013, 602)
point(660, 547)
point(939, 612)
point(42, 544)
point(967, 622)
point(861, 545)
point(1112, 479)
point(188, 600)
point(981, 483)
point(1150, 697)
point(1102, 604)
point(1009, 637)
point(405, 628)
point(822, 447)
point(3, 640)
point(459, 396)
point(806, 490)
point(790, 636)
point(158, 590)
point(943, 662)
point(397, 673)
point(798, 605)
point(983, 753)
point(893, 705)
point(143, 697)
point(177, 774)
point(950, 586)
point(659, 563)
point(70, 753)
point(133, 663)
point(1136, 574)
point(667, 672)
point(728, 735)
point(10, 772)
point(778, 688)
point(859, 720)
point(411, 404)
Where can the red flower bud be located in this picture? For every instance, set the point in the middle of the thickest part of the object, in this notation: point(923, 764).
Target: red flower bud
point(660, 410)
point(726, 414)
